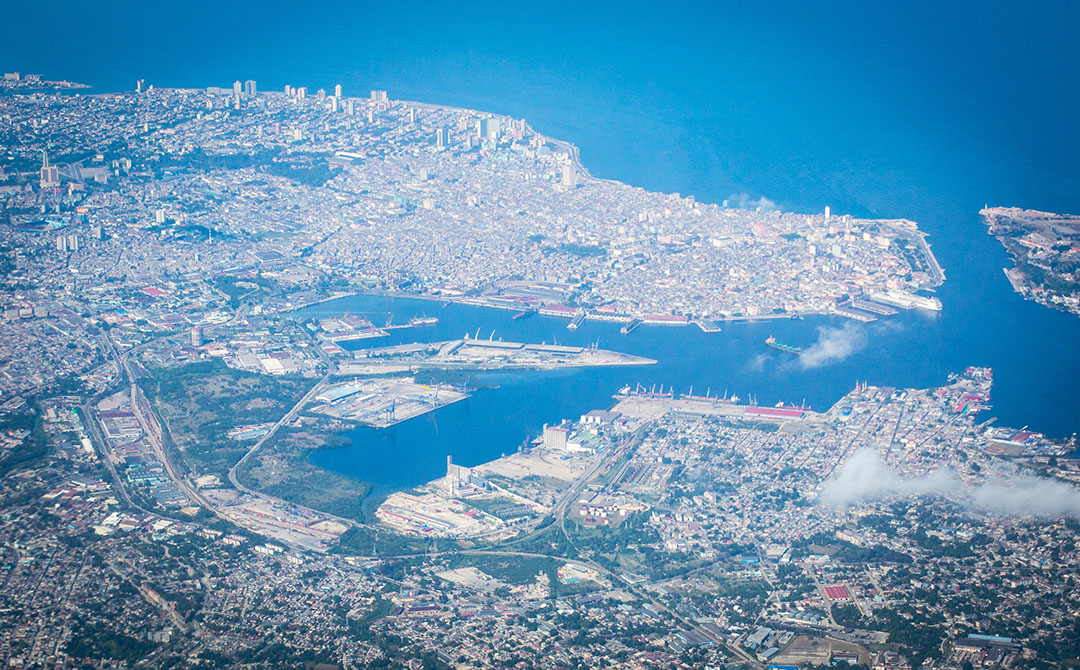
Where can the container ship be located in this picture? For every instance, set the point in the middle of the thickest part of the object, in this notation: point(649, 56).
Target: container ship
point(791, 349)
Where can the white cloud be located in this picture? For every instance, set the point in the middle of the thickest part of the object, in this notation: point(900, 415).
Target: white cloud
point(833, 345)
point(865, 476)
point(744, 201)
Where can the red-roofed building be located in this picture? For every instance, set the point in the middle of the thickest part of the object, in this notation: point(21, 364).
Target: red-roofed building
point(837, 593)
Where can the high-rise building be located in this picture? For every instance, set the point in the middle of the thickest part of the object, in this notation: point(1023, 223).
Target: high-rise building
point(569, 176)
point(334, 105)
point(378, 96)
point(196, 336)
point(288, 90)
point(337, 90)
point(159, 216)
point(138, 86)
point(412, 115)
point(301, 92)
point(237, 88)
point(488, 128)
point(50, 174)
point(440, 137)
point(828, 212)
point(249, 88)
point(555, 438)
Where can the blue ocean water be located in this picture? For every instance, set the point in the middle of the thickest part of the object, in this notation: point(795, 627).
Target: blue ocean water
point(918, 110)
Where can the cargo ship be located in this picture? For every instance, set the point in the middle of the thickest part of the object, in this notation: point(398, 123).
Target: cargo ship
point(629, 327)
point(791, 349)
point(640, 391)
point(423, 321)
point(576, 321)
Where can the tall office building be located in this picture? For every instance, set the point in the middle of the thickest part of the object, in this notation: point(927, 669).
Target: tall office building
point(440, 137)
point(488, 128)
point(249, 88)
point(50, 174)
point(569, 176)
point(337, 91)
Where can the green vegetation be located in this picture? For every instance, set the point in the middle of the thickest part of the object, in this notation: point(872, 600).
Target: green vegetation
point(282, 469)
point(510, 569)
point(199, 403)
point(236, 288)
point(96, 641)
point(382, 543)
point(360, 626)
point(31, 448)
point(583, 250)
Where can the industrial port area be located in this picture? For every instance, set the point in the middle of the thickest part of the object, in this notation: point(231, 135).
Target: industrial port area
point(167, 395)
point(490, 354)
point(383, 402)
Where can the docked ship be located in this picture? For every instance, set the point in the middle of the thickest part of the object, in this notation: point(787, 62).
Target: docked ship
point(790, 348)
point(576, 321)
point(801, 408)
point(423, 321)
point(629, 327)
point(526, 312)
point(640, 391)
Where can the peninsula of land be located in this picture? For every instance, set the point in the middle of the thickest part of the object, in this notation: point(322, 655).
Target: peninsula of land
point(1045, 249)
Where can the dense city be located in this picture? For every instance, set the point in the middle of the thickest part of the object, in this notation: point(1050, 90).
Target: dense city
point(160, 396)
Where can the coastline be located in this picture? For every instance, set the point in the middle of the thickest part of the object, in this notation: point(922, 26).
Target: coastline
point(901, 228)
